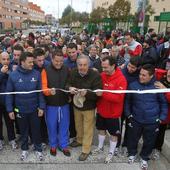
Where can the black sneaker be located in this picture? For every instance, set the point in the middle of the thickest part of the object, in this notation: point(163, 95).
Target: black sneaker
point(66, 152)
point(83, 156)
point(75, 144)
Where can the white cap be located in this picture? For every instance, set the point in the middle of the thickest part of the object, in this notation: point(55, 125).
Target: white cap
point(105, 50)
point(23, 36)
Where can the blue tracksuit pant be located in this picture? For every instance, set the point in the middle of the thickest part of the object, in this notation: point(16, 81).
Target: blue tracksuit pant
point(57, 119)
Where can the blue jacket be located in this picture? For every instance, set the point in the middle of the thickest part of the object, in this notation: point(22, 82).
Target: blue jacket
point(130, 77)
point(69, 63)
point(146, 108)
point(24, 80)
point(46, 63)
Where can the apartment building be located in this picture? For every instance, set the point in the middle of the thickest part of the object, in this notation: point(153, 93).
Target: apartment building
point(13, 13)
point(36, 13)
point(50, 19)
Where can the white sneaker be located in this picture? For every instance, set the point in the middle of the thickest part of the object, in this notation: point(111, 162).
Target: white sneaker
point(1, 144)
point(97, 151)
point(109, 157)
point(39, 156)
point(155, 154)
point(13, 144)
point(24, 155)
point(144, 165)
point(131, 159)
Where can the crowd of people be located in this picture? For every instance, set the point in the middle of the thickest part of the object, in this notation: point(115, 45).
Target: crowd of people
point(52, 97)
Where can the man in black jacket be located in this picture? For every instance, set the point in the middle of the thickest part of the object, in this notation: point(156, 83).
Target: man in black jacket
point(80, 80)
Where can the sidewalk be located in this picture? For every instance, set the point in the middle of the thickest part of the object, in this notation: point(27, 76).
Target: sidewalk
point(10, 160)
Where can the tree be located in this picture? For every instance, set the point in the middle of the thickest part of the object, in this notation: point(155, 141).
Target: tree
point(84, 18)
point(120, 10)
point(97, 15)
point(70, 15)
point(66, 20)
point(67, 16)
point(67, 11)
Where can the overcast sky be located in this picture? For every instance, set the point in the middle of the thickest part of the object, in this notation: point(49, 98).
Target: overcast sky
point(51, 6)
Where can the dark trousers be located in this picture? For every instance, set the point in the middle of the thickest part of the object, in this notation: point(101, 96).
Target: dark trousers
point(149, 133)
point(16, 126)
point(8, 122)
point(72, 128)
point(29, 121)
point(43, 129)
point(160, 138)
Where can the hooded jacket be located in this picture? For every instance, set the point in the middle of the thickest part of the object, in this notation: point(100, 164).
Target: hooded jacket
point(110, 105)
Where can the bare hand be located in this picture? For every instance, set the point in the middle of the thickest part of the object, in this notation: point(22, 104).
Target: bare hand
point(40, 112)
point(99, 93)
point(73, 90)
point(95, 69)
point(4, 69)
point(12, 115)
point(83, 92)
point(53, 91)
point(159, 85)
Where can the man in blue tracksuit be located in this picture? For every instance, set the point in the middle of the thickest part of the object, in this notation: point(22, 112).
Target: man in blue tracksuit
point(57, 113)
point(29, 107)
point(144, 112)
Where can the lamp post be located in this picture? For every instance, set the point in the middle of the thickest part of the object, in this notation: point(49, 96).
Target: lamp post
point(58, 10)
point(71, 15)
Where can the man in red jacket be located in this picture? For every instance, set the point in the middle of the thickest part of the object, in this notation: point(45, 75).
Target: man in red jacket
point(110, 105)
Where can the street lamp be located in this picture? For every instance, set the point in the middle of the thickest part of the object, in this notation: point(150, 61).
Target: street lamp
point(58, 10)
point(71, 15)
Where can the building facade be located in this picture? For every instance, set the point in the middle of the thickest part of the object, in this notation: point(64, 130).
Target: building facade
point(50, 19)
point(107, 3)
point(36, 13)
point(159, 6)
point(13, 13)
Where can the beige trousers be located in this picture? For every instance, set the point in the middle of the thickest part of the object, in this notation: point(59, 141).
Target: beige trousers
point(84, 122)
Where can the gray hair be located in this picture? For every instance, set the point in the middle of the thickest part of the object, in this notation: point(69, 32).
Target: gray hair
point(83, 56)
point(92, 46)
